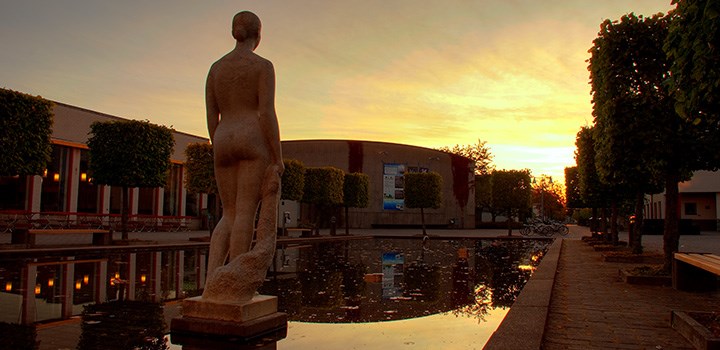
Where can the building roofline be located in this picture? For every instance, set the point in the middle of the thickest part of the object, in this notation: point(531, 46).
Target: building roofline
point(120, 118)
point(374, 142)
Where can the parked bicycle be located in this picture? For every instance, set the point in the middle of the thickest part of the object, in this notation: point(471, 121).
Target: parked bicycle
point(544, 228)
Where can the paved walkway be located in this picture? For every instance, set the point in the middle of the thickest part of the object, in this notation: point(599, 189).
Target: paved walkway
point(592, 309)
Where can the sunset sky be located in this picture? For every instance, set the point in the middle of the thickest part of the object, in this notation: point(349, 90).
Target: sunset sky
point(512, 73)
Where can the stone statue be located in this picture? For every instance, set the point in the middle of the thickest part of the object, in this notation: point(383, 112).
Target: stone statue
point(243, 127)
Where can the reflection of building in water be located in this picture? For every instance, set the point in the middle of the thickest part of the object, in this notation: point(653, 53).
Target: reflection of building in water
point(39, 285)
point(321, 282)
point(344, 282)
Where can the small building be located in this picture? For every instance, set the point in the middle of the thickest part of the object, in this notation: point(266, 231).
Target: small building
point(699, 199)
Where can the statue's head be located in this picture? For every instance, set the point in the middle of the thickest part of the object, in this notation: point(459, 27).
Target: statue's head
point(246, 25)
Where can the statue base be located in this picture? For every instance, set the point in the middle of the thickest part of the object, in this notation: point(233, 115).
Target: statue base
point(227, 322)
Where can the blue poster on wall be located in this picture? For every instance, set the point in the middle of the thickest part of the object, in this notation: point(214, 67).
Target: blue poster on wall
point(393, 186)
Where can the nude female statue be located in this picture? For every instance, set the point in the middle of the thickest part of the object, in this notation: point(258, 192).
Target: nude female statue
point(243, 127)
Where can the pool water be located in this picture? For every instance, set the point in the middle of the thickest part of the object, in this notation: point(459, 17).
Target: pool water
point(400, 292)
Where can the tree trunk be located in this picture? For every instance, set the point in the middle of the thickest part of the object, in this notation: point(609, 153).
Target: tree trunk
point(124, 212)
point(594, 223)
point(671, 235)
point(422, 220)
point(636, 227)
point(613, 222)
point(509, 222)
point(603, 224)
point(347, 221)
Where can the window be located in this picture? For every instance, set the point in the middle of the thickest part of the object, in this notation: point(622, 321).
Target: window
point(691, 208)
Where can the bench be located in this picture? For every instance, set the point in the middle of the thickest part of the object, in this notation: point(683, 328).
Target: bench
point(695, 272)
point(28, 237)
point(303, 232)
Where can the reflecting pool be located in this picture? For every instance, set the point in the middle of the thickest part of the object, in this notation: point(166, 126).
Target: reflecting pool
point(388, 293)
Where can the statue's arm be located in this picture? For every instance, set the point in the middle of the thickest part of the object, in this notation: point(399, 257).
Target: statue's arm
point(268, 117)
point(213, 111)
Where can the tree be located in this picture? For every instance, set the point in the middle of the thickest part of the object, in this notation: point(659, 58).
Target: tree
point(423, 190)
point(572, 188)
point(511, 191)
point(479, 152)
point(200, 169)
point(293, 180)
point(25, 130)
point(549, 195)
point(200, 178)
point(355, 194)
point(483, 195)
point(630, 108)
point(691, 46)
point(592, 191)
point(129, 153)
point(323, 189)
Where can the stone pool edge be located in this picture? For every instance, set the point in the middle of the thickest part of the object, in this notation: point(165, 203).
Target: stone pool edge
point(524, 325)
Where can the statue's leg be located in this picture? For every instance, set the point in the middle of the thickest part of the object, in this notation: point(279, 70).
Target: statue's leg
point(220, 241)
point(249, 179)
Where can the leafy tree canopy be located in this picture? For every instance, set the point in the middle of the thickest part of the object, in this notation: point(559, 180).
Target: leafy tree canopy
point(293, 180)
point(423, 190)
point(356, 190)
point(691, 46)
point(130, 153)
point(323, 186)
point(511, 190)
point(634, 120)
point(479, 152)
point(200, 168)
point(25, 129)
point(572, 188)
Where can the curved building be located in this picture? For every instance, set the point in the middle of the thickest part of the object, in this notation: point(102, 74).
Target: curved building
point(385, 164)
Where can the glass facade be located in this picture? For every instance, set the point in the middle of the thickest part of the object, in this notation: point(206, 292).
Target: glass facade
point(146, 201)
point(54, 184)
point(172, 191)
point(87, 191)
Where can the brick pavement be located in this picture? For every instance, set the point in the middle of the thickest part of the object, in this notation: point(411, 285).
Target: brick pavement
point(592, 309)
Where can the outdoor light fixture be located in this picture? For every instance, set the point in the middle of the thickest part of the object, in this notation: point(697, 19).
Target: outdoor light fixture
point(37, 289)
point(117, 275)
point(51, 282)
point(83, 177)
point(45, 173)
point(86, 279)
point(8, 286)
point(143, 278)
point(56, 177)
point(78, 285)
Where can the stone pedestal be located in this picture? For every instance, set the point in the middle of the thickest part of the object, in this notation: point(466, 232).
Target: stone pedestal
point(238, 323)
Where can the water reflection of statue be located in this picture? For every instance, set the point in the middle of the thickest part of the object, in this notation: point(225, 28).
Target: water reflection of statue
point(243, 127)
